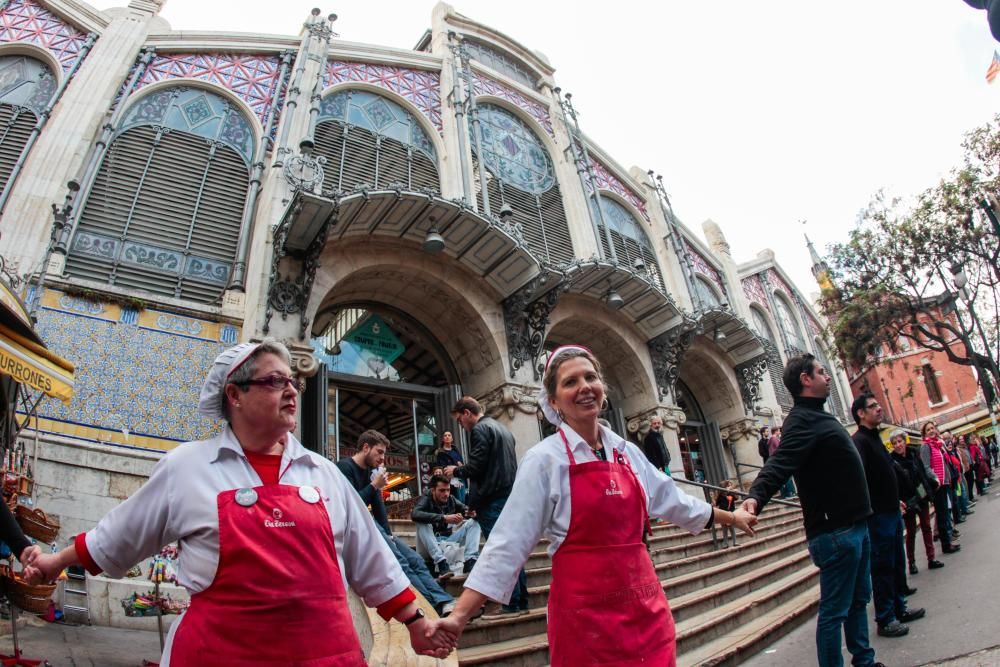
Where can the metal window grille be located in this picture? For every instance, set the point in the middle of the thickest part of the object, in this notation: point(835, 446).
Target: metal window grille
point(542, 217)
point(163, 216)
point(357, 156)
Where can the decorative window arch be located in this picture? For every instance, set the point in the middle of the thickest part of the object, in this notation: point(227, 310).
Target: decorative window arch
point(500, 62)
point(706, 293)
point(521, 175)
point(26, 88)
point(631, 242)
point(788, 323)
point(369, 139)
point(836, 404)
point(165, 210)
point(775, 366)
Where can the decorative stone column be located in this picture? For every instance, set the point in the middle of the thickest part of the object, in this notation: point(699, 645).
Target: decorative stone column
point(673, 418)
point(516, 407)
point(742, 436)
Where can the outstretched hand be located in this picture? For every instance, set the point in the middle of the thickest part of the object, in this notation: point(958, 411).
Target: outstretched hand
point(39, 568)
point(749, 506)
point(744, 520)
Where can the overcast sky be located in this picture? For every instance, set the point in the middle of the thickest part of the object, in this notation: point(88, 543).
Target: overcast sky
point(757, 114)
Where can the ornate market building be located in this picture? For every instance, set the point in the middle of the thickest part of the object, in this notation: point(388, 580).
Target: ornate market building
point(416, 224)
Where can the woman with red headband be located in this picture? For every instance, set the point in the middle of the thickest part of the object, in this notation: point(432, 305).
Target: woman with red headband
point(271, 534)
point(591, 494)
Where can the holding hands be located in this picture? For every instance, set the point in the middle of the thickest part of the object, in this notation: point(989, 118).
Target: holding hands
point(744, 520)
point(39, 567)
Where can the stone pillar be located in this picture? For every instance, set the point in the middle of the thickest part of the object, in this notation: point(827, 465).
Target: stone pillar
point(516, 407)
point(673, 418)
point(742, 436)
point(64, 144)
point(276, 191)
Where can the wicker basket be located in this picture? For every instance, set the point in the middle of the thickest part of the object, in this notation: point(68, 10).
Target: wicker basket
point(37, 524)
point(33, 599)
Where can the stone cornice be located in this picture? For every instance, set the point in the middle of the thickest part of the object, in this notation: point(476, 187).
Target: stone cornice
point(383, 55)
point(501, 41)
point(80, 14)
point(197, 40)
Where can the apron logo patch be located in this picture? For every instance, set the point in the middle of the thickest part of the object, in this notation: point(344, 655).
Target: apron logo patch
point(614, 490)
point(278, 523)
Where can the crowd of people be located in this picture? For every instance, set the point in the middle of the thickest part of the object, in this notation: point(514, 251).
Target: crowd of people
point(255, 513)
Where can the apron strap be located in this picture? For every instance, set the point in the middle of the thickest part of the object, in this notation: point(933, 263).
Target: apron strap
point(572, 461)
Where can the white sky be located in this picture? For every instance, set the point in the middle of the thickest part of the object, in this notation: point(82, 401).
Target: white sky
point(757, 114)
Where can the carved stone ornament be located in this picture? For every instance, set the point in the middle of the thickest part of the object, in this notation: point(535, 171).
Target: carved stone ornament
point(509, 399)
point(748, 376)
point(640, 423)
point(304, 363)
point(667, 351)
point(740, 429)
point(526, 317)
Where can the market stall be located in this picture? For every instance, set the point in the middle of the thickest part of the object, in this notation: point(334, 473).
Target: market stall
point(28, 373)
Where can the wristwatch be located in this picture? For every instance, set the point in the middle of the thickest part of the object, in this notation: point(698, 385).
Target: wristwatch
point(417, 615)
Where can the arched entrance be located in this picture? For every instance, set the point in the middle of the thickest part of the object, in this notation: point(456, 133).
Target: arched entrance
point(387, 372)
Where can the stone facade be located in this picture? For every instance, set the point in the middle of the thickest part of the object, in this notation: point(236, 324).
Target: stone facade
point(343, 159)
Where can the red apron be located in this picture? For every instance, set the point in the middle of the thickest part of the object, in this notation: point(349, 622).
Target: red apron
point(277, 597)
point(606, 605)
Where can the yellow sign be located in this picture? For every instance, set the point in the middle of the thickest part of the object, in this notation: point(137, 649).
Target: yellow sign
point(31, 364)
point(14, 304)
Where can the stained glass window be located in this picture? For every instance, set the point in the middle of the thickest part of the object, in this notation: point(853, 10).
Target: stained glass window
point(196, 111)
point(789, 325)
point(707, 295)
point(382, 116)
point(761, 325)
point(26, 82)
point(500, 62)
point(513, 152)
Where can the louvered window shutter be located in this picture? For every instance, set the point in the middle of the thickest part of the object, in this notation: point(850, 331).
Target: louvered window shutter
point(15, 128)
point(163, 216)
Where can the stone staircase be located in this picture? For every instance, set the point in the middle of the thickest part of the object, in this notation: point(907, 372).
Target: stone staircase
point(727, 603)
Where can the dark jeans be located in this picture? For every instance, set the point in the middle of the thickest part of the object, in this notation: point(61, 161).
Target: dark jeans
point(970, 484)
point(910, 520)
point(843, 557)
point(888, 566)
point(416, 570)
point(487, 517)
point(942, 516)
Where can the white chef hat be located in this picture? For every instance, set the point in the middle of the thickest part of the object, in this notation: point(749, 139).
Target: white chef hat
point(213, 391)
point(543, 396)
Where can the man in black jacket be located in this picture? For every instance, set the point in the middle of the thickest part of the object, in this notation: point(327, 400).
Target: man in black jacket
point(765, 436)
point(654, 447)
point(817, 450)
point(491, 468)
point(365, 473)
point(440, 517)
point(885, 525)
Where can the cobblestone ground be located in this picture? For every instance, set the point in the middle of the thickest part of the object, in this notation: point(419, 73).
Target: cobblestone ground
point(961, 600)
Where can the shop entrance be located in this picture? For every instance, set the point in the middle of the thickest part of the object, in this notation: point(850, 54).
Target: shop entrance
point(700, 441)
point(385, 372)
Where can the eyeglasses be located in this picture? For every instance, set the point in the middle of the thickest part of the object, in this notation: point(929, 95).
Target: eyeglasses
point(871, 406)
point(277, 382)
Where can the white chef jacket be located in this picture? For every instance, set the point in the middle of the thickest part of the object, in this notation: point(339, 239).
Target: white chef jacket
point(179, 503)
point(539, 505)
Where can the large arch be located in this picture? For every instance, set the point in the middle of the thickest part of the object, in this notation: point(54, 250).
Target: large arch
point(616, 343)
point(468, 324)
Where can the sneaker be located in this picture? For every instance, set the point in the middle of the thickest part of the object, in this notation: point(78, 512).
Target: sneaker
point(442, 571)
point(912, 615)
point(509, 610)
point(955, 548)
point(909, 591)
point(469, 564)
point(894, 629)
point(970, 512)
point(913, 568)
point(955, 533)
point(477, 614)
point(446, 609)
point(934, 564)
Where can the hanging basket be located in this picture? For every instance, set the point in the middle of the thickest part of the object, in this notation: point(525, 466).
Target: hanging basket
point(37, 524)
point(32, 598)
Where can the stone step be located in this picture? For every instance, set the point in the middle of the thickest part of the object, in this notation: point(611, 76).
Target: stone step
point(678, 558)
point(719, 621)
point(727, 633)
point(745, 560)
point(735, 647)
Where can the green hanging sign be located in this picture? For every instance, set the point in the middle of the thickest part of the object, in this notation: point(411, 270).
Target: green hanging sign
point(375, 336)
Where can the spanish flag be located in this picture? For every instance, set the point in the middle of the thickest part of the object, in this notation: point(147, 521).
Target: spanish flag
point(994, 69)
